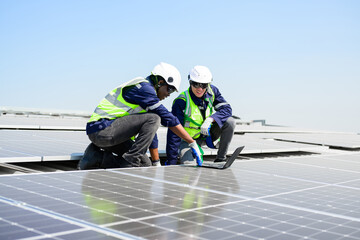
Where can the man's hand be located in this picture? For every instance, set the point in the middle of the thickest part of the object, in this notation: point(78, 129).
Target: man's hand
point(205, 127)
point(196, 152)
point(156, 163)
point(155, 159)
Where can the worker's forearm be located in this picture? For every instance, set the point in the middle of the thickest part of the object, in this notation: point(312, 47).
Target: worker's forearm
point(154, 153)
point(182, 133)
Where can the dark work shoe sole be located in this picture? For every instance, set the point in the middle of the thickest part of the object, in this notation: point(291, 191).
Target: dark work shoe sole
point(219, 160)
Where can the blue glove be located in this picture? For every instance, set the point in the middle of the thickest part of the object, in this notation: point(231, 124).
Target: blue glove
point(205, 127)
point(196, 153)
point(209, 142)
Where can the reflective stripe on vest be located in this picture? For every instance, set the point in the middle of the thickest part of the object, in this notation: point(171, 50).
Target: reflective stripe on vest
point(192, 114)
point(115, 106)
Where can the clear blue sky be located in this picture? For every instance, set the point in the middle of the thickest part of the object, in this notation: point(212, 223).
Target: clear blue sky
point(294, 63)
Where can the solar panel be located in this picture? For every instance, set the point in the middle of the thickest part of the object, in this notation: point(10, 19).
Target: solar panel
point(337, 140)
point(308, 197)
point(45, 145)
point(42, 122)
point(31, 145)
point(254, 143)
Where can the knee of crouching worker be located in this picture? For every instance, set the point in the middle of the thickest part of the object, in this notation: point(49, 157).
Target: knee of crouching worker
point(231, 122)
point(155, 119)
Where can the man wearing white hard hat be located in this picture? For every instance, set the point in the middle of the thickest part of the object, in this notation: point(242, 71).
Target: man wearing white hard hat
point(124, 124)
point(205, 115)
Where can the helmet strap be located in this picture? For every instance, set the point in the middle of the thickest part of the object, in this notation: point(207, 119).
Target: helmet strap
point(155, 81)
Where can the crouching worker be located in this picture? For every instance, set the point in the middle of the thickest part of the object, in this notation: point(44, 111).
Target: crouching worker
point(205, 115)
point(123, 126)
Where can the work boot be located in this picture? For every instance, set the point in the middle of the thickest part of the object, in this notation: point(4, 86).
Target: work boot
point(111, 160)
point(92, 158)
point(220, 160)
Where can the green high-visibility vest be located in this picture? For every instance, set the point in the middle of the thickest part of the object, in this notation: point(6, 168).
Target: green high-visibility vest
point(115, 106)
point(192, 115)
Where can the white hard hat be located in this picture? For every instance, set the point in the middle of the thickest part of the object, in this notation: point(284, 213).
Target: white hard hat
point(169, 73)
point(200, 74)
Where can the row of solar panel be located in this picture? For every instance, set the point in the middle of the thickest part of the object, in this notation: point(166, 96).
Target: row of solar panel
point(306, 197)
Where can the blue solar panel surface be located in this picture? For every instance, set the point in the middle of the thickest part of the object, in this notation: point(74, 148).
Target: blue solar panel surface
point(304, 197)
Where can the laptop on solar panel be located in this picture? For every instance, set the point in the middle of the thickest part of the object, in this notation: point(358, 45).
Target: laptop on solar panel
point(227, 163)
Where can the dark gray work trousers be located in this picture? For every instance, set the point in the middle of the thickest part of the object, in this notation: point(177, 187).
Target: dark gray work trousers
point(226, 133)
point(116, 138)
